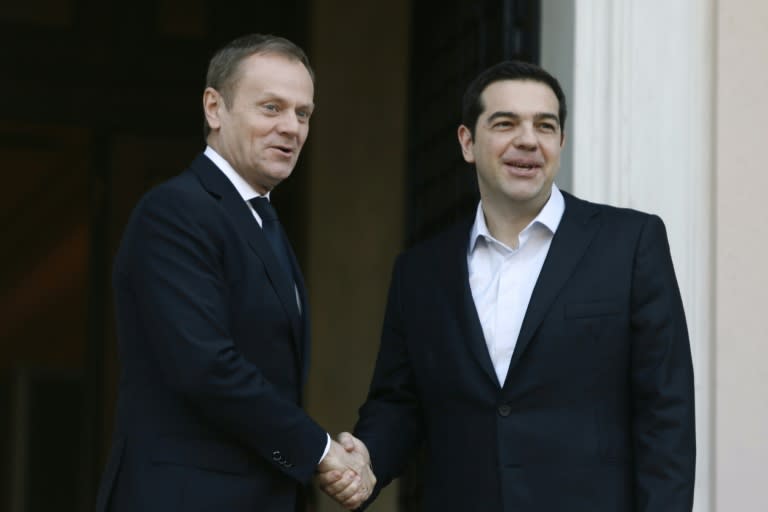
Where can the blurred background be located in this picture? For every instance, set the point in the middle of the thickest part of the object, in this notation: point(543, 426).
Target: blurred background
point(99, 101)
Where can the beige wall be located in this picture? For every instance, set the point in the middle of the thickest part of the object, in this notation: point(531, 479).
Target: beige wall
point(741, 346)
point(357, 165)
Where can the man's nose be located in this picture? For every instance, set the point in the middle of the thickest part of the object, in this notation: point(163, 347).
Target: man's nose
point(289, 122)
point(525, 136)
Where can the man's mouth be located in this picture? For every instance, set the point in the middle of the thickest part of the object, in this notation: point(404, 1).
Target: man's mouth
point(284, 150)
point(523, 165)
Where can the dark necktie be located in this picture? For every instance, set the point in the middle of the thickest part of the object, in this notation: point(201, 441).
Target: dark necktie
point(274, 233)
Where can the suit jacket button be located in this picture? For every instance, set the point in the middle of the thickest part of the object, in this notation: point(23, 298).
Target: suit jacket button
point(504, 410)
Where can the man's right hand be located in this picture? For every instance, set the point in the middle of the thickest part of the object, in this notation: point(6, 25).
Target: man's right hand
point(345, 472)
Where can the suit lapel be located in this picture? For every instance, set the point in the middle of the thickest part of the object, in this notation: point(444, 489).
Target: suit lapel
point(455, 276)
point(577, 228)
point(304, 327)
point(217, 183)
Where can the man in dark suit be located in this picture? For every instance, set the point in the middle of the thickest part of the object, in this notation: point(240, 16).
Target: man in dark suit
point(539, 351)
point(212, 313)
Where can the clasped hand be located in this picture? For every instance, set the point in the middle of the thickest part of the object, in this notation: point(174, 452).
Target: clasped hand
point(345, 472)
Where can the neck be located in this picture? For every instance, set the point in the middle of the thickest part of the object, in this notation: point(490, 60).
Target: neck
point(506, 219)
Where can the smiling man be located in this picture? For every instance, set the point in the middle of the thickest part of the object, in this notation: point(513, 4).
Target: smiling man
point(539, 350)
point(212, 313)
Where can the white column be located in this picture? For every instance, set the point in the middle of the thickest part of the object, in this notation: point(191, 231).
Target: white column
point(556, 56)
point(642, 137)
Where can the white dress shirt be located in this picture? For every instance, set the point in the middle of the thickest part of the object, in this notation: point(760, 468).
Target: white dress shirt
point(247, 192)
point(502, 278)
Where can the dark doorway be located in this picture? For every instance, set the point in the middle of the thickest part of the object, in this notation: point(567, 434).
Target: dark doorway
point(100, 100)
point(452, 41)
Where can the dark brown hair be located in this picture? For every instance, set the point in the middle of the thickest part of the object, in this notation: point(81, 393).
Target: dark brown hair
point(472, 105)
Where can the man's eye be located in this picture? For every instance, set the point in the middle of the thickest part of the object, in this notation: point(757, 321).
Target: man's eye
point(548, 127)
point(271, 107)
point(303, 114)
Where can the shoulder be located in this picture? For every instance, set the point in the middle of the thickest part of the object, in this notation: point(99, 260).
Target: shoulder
point(441, 251)
point(451, 238)
point(180, 207)
point(610, 216)
point(183, 199)
point(182, 193)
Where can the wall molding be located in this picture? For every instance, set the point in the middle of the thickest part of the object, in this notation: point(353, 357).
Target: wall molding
point(643, 137)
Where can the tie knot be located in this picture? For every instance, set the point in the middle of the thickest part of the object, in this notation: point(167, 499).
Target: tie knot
point(263, 208)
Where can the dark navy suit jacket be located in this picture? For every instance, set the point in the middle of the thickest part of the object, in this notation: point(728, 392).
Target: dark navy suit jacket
point(214, 354)
point(597, 410)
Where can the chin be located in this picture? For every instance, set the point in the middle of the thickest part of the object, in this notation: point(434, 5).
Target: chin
point(524, 195)
point(280, 172)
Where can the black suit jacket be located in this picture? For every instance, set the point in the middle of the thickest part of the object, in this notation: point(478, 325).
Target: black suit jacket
point(214, 354)
point(596, 413)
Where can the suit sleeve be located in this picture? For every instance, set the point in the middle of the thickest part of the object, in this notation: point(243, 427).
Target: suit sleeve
point(662, 380)
point(176, 272)
point(390, 420)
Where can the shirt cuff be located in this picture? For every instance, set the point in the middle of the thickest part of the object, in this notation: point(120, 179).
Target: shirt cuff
point(327, 447)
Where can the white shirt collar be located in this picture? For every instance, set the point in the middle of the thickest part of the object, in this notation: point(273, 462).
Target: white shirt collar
point(549, 217)
point(245, 190)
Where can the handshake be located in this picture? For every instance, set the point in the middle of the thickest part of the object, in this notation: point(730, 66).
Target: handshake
point(345, 472)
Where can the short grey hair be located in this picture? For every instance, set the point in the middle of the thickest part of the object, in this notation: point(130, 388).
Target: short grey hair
point(224, 66)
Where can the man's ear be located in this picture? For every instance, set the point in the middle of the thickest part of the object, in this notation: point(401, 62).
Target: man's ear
point(466, 143)
point(212, 105)
point(562, 140)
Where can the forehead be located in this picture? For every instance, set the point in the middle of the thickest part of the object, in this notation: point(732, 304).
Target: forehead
point(274, 73)
point(519, 96)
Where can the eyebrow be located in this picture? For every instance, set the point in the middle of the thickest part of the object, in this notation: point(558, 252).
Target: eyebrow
point(513, 115)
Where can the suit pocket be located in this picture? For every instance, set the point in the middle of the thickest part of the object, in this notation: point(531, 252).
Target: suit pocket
point(201, 453)
point(591, 309)
point(595, 320)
